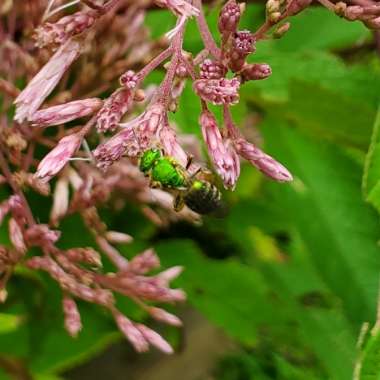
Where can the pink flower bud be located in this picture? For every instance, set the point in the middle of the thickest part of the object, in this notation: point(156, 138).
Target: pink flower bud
point(123, 143)
point(17, 207)
point(65, 28)
point(255, 71)
point(129, 79)
point(222, 152)
point(229, 18)
point(243, 44)
point(212, 70)
point(162, 315)
point(169, 274)
point(373, 23)
point(262, 161)
point(353, 12)
point(218, 91)
point(113, 109)
point(64, 113)
point(40, 235)
point(155, 339)
point(70, 284)
point(181, 71)
point(85, 255)
point(73, 323)
point(144, 262)
point(31, 98)
point(60, 201)
point(55, 161)
point(150, 123)
point(171, 146)
point(112, 253)
point(296, 6)
point(118, 237)
point(16, 236)
point(131, 332)
point(281, 30)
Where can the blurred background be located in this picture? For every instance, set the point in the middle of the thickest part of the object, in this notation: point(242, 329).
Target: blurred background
point(284, 285)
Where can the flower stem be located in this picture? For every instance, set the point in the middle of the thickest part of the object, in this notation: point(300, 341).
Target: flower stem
point(206, 35)
point(154, 63)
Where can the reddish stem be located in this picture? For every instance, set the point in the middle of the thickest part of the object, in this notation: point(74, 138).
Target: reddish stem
point(229, 123)
point(206, 35)
point(163, 92)
point(155, 62)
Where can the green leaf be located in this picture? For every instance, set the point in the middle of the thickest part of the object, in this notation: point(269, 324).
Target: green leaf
point(371, 176)
point(319, 93)
point(9, 323)
point(321, 324)
point(227, 293)
point(336, 226)
point(58, 351)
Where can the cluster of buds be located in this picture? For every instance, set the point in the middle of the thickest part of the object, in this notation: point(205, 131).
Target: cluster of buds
point(273, 10)
point(227, 145)
point(64, 113)
point(243, 44)
point(218, 91)
point(368, 14)
point(58, 33)
point(229, 18)
point(210, 69)
point(223, 155)
point(113, 109)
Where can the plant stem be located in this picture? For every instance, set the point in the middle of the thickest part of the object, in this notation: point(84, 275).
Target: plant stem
point(154, 63)
point(205, 33)
point(163, 92)
point(232, 130)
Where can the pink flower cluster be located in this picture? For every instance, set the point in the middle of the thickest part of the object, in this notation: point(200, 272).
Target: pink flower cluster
point(86, 85)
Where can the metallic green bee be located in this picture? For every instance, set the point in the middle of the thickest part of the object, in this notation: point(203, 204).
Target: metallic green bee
point(194, 190)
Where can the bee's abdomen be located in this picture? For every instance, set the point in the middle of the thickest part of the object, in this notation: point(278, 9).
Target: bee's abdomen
point(203, 197)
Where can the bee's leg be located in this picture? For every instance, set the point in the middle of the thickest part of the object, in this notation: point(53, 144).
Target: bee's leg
point(178, 202)
point(205, 174)
point(190, 159)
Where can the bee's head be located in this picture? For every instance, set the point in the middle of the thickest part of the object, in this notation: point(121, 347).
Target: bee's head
point(148, 159)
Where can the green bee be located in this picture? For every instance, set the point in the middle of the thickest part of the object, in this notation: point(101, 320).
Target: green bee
point(194, 190)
